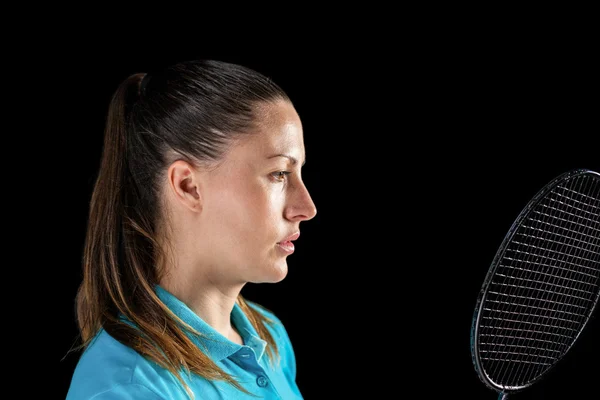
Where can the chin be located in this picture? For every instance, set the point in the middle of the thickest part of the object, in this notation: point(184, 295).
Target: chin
point(276, 273)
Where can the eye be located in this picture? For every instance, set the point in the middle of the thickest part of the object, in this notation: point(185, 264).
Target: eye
point(280, 175)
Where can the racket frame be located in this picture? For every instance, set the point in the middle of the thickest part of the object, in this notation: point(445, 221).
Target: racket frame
point(533, 202)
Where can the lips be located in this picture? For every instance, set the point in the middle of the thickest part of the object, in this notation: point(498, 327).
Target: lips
point(290, 238)
point(286, 244)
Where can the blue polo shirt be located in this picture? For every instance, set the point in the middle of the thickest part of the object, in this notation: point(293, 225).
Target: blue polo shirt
point(109, 370)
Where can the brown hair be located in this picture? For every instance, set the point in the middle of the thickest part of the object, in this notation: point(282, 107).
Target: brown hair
point(191, 111)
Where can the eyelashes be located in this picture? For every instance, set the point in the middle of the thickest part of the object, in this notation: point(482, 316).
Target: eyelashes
point(280, 176)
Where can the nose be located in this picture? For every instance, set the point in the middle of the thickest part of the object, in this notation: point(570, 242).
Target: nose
point(302, 207)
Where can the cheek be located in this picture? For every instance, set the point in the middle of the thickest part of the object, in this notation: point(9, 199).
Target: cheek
point(249, 210)
point(260, 219)
point(261, 211)
point(245, 211)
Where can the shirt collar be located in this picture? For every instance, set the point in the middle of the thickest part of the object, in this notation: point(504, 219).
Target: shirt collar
point(247, 331)
point(217, 346)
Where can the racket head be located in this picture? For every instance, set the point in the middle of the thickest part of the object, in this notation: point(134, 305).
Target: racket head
point(542, 286)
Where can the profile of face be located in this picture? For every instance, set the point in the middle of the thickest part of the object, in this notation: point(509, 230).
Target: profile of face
point(251, 205)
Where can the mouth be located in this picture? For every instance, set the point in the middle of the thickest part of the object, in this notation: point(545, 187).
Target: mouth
point(290, 238)
point(286, 244)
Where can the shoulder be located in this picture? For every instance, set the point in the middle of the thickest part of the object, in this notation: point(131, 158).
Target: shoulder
point(109, 369)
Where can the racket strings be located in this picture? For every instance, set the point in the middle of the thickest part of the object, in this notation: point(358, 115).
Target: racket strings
point(556, 305)
point(540, 329)
point(545, 285)
point(537, 333)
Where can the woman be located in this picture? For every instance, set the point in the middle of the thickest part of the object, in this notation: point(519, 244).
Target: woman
point(199, 192)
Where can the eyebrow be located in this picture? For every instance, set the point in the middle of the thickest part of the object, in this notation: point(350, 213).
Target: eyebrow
point(292, 159)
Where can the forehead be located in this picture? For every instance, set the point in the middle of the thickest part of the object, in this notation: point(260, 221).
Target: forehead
point(272, 114)
point(278, 128)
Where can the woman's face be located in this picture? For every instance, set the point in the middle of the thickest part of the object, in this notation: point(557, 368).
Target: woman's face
point(254, 201)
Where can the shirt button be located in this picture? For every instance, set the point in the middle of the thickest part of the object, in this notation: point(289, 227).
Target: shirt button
point(262, 381)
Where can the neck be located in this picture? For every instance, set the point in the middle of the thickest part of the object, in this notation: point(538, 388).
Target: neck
point(212, 303)
point(199, 282)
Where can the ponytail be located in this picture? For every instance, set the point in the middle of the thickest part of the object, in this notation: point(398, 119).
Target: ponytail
point(103, 249)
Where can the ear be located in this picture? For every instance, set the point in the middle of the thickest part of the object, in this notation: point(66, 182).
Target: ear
point(184, 185)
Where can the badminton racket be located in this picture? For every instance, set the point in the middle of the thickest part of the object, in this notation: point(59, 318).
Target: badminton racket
point(541, 287)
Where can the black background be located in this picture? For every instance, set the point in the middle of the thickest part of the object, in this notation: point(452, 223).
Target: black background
point(421, 151)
